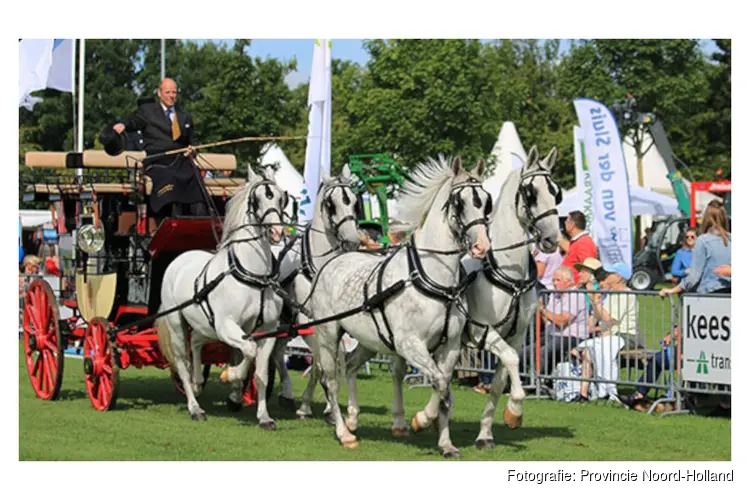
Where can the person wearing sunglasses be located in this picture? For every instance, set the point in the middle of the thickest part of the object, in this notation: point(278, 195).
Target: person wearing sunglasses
point(683, 257)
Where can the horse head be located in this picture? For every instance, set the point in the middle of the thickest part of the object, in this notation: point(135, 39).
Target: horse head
point(468, 208)
point(537, 198)
point(338, 209)
point(266, 202)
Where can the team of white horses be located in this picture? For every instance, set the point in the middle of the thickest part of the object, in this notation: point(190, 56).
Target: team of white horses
point(464, 276)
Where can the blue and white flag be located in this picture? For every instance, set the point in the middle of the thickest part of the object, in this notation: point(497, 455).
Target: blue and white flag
point(318, 152)
point(44, 64)
point(609, 181)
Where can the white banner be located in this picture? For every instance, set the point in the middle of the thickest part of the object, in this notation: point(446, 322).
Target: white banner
point(43, 63)
point(583, 178)
point(609, 181)
point(34, 60)
point(707, 334)
point(318, 152)
point(60, 75)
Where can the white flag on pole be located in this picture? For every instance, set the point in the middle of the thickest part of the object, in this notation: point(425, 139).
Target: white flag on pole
point(318, 152)
point(61, 70)
point(609, 181)
point(43, 63)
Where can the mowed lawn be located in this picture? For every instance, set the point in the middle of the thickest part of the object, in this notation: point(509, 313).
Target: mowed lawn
point(151, 423)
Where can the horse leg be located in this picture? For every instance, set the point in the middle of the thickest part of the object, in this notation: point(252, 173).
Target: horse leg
point(181, 361)
point(507, 365)
point(399, 428)
point(196, 343)
point(417, 355)
point(286, 395)
point(235, 399)
point(231, 334)
point(352, 362)
point(265, 349)
point(328, 343)
point(446, 360)
point(305, 408)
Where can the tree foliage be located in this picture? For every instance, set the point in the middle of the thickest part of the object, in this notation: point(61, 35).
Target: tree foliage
point(413, 99)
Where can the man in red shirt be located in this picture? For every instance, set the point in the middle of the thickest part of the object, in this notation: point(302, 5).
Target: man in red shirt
point(581, 246)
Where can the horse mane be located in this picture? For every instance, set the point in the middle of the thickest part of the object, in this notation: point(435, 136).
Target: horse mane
point(237, 208)
point(424, 188)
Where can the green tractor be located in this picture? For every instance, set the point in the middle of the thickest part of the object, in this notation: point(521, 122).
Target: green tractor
point(379, 175)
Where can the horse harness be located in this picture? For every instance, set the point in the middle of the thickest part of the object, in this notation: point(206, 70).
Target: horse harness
point(235, 267)
point(422, 282)
point(491, 268)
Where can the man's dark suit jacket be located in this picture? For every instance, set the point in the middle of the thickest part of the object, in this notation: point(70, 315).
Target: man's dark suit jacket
point(174, 178)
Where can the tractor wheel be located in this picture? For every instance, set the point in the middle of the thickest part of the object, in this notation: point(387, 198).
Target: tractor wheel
point(42, 341)
point(101, 372)
point(642, 279)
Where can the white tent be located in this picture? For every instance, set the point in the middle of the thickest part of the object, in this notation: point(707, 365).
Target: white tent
point(510, 155)
point(642, 202)
point(655, 173)
point(32, 219)
point(287, 177)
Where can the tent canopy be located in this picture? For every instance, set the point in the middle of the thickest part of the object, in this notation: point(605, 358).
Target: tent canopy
point(287, 177)
point(32, 219)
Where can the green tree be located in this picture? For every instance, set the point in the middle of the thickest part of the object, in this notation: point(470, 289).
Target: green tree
point(419, 98)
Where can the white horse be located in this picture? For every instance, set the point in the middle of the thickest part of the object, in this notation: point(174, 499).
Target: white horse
point(420, 322)
point(332, 231)
point(504, 297)
point(240, 302)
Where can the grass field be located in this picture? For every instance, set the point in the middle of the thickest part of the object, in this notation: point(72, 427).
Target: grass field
point(151, 423)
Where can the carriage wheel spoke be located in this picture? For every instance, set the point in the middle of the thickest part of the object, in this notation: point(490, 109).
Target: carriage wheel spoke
point(48, 372)
point(37, 363)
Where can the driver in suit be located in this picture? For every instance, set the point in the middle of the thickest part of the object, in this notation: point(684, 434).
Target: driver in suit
point(165, 126)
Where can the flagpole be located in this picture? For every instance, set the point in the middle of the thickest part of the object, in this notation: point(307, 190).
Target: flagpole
point(163, 58)
point(73, 91)
point(81, 76)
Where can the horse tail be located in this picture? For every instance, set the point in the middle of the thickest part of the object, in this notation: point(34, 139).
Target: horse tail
point(165, 339)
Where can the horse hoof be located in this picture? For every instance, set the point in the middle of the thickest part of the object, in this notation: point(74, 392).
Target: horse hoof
point(452, 454)
point(232, 406)
point(404, 432)
point(303, 416)
point(415, 424)
point(512, 420)
point(483, 444)
point(352, 444)
point(351, 425)
point(269, 426)
point(287, 403)
point(329, 419)
point(198, 417)
point(224, 376)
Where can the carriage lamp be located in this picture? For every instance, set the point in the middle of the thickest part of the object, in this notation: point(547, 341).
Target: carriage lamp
point(90, 239)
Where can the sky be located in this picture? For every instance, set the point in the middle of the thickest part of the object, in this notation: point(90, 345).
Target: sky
point(345, 49)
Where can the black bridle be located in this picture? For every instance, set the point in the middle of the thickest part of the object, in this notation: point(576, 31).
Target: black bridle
point(252, 204)
point(455, 201)
point(528, 194)
point(330, 206)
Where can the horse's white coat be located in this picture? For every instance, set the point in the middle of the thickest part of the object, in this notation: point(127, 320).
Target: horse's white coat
point(416, 319)
point(236, 306)
point(489, 304)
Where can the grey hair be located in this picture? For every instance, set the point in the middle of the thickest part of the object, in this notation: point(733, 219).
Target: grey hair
point(566, 271)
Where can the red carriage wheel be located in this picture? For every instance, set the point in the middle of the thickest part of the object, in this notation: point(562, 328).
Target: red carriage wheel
point(102, 374)
point(177, 381)
point(42, 341)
